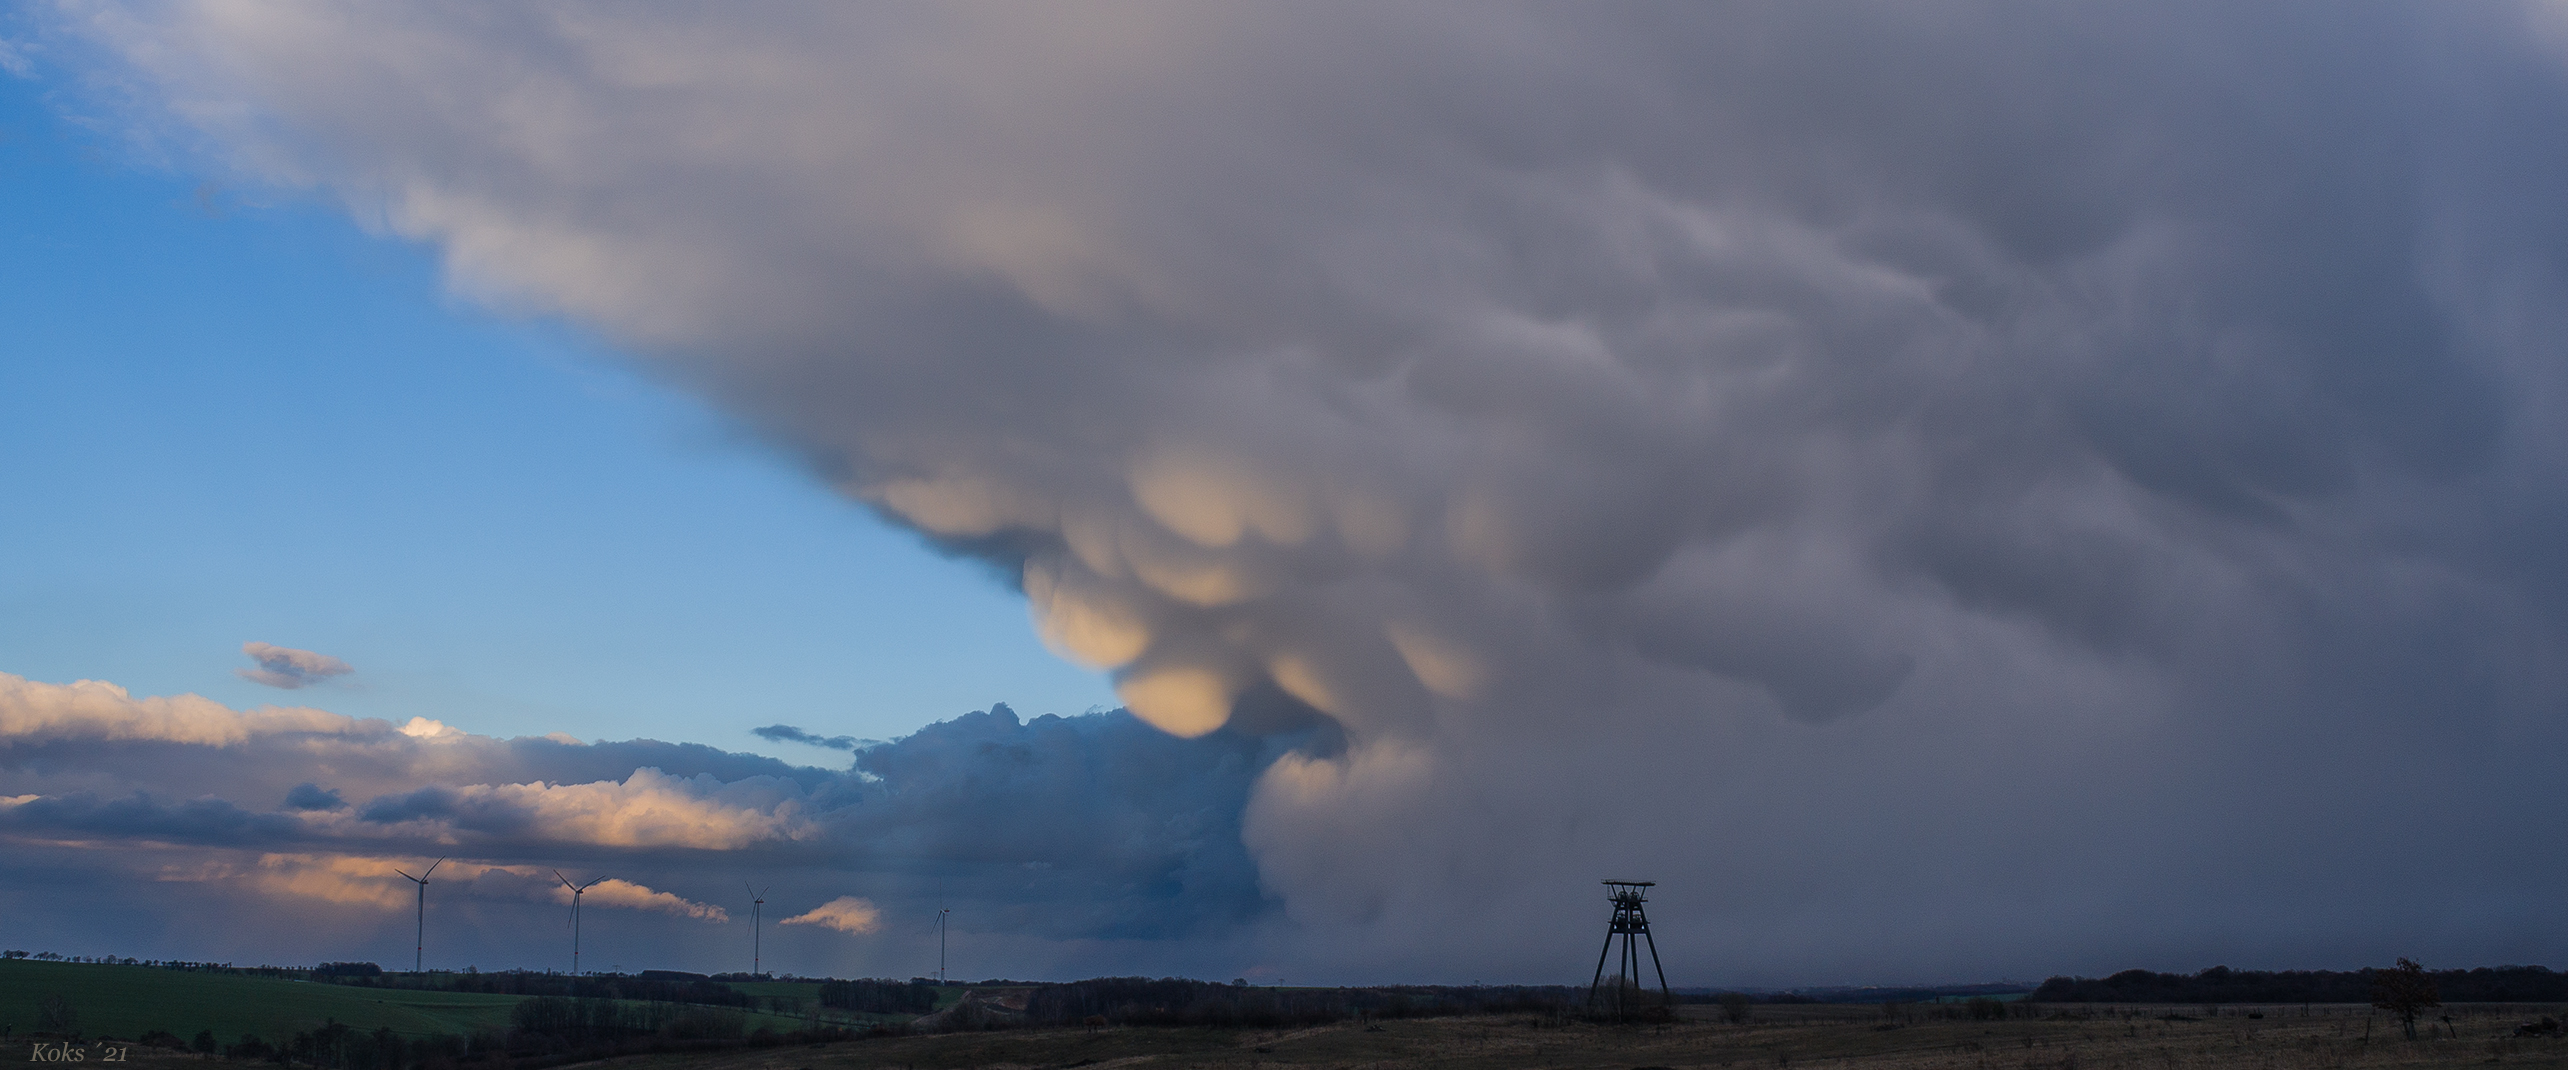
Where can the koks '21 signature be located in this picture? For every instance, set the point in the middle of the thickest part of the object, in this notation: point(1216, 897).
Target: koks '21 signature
point(63, 1051)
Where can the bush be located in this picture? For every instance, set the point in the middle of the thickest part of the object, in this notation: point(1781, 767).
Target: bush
point(55, 1015)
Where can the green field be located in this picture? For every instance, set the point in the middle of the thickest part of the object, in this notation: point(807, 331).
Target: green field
point(127, 1001)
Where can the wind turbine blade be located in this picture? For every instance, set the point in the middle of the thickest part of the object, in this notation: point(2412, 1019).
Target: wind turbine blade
point(432, 869)
point(566, 881)
point(405, 874)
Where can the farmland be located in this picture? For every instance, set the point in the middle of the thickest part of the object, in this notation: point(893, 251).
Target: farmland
point(1858, 1038)
point(128, 1001)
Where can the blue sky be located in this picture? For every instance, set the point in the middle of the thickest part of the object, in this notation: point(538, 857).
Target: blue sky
point(233, 416)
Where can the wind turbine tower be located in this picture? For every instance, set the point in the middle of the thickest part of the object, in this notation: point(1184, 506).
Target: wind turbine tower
point(941, 912)
point(419, 950)
point(577, 890)
point(757, 900)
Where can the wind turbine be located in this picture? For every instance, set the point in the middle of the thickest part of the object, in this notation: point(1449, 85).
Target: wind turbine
point(419, 952)
point(941, 912)
point(757, 899)
point(577, 890)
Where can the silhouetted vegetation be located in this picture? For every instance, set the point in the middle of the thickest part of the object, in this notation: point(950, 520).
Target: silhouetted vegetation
point(2404, 990)
point(2220, 984)
point(914, 996)
point(55, 1015)
point(1177, 1001)
point(658, 989)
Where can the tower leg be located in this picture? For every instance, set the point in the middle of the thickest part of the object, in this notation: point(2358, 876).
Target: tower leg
point(1631, 974)
point(1600, 967)
point(1670, 997)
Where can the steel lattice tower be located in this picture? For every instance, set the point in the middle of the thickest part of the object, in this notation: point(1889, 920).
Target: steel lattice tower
point(1630, 921)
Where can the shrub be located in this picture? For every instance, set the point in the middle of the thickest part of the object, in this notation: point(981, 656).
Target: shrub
point(54, 1014)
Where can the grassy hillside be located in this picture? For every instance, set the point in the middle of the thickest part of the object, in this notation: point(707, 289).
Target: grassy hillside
point(125, 1001)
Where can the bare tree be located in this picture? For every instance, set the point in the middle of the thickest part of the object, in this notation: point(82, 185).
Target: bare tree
point(55, 1015)
point(2404, 990)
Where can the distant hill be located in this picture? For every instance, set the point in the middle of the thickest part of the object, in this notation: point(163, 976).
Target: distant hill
point(2220, 984)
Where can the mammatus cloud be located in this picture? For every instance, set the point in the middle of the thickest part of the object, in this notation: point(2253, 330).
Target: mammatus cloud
point(288, 668)
point(847, 914)
point(785, 733)
point(1762, 448)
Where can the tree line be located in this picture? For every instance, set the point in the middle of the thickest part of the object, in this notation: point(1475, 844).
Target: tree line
point(2220, 984)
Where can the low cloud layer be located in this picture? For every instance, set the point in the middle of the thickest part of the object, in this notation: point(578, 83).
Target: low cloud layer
point(288, 668)
point(1059, 838)
point(2085, 477)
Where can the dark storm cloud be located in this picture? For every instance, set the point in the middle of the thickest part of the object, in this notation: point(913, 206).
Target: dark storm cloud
point(205, 822)
point(785, 733)
point(2058, 471)
point(308, 796)
point(1073, 827)
point(409, 806)
point(288, 668)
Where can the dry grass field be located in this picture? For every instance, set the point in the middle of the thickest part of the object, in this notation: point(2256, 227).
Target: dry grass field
point(2323, 1038)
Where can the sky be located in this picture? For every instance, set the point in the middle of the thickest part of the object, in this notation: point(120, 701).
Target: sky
point(238, 417)
point(1951, 492)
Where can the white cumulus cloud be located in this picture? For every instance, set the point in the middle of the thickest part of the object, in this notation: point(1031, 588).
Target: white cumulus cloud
point(32, 711)
point(847, 914)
